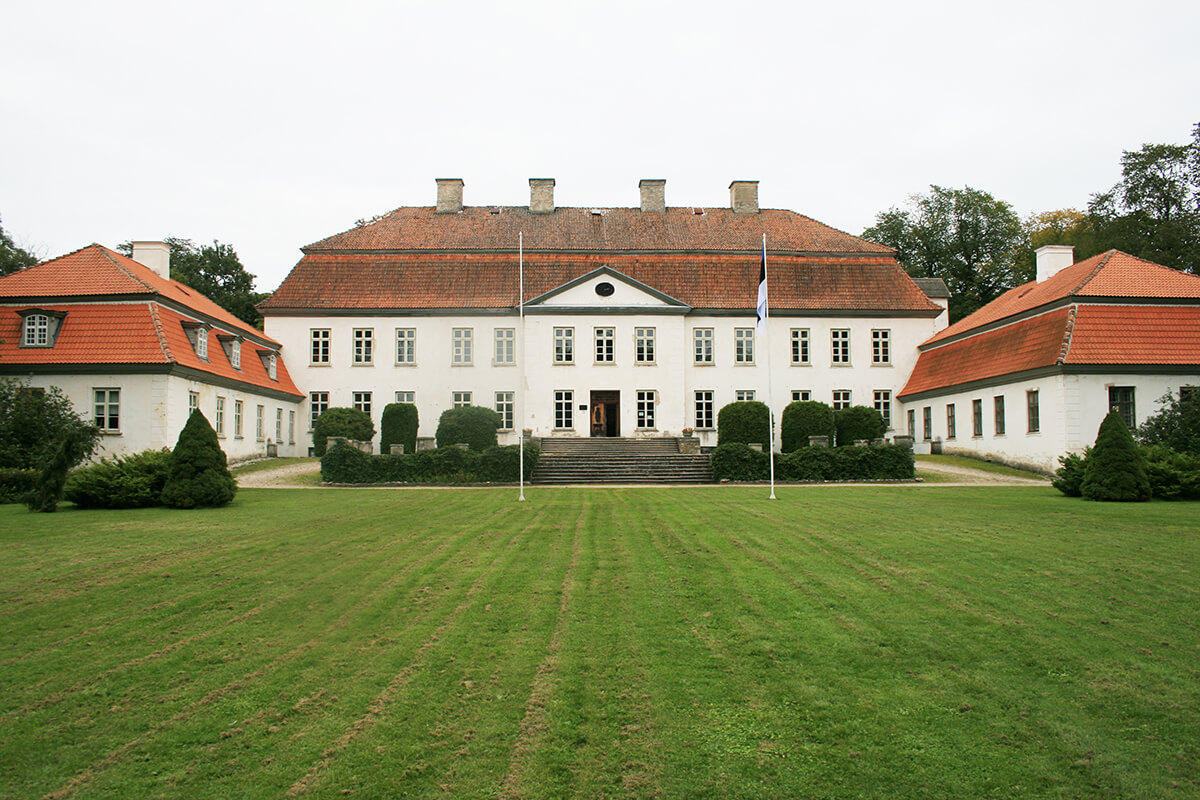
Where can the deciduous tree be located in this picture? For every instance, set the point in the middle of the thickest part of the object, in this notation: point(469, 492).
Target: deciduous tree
point(13, 257)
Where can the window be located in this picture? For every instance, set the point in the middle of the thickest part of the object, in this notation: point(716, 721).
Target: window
point(912, 423)
point(271, 367)
point(977, 418)
point(202, 342)
point(258, 423)
point(645, 408)
point(406, 397)
point(506, 346)
point(406, 345)
point(462, 347)
point(841, 399)
point(219, 416)
point(37, 331)
point(881, 347)
point(998, 402)
point(318, 404)
point(460, 399)
point(743, 345)
point(801, 395)
point(320, 346)
point(291, 426)
point(704, 409)
point(606, 345)
point(362, 401)
point(702, 338)
point(193, 403)
point(839, 340)
point(951, 423)
point(106, 405)
point(237, 418)
point(1120, 399)
point(800, 351)
point(235, 353)
point(364, 346)
point(563, 408)
point(883, 404)
point(564, 345)
point(504, 407)
point(927, 422)
point(744, 395)
point(278, 424)
point(643, 345)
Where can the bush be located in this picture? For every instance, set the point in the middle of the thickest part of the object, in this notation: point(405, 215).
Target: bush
point(736, 461)
point(858, 422)
point(33, 423)
point(1068, 478)
point(501, 464)
point(345, 464)
point(16, 483)
point(803, 419)
point(398, 426)
point(1172, 475)
point(747, 422)
point(199, 475)
point(1176, 425)
point(134, 481)
point(348, 422)
point(1116, 468)
point(473, 425)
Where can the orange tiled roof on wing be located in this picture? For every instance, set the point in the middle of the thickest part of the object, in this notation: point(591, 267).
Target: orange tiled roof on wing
point(1152, 335)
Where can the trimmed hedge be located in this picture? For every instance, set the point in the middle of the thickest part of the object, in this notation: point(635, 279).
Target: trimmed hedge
point(348, 422)
point(737, 462)
point(802, 419)
point(343, 464)
point(398, 426)
point(474, 425)
point(746, 422)
point(16, 483)
point(133, 481)
point(858, 422)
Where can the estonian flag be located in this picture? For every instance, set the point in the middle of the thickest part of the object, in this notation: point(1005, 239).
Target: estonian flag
point(762, 296)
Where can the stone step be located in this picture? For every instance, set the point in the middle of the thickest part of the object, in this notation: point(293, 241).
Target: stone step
point(619, 460)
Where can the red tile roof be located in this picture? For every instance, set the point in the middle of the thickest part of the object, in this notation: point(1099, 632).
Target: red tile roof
point(1136, 335)
point(493, 229)
point(1112, 274)
point(96, 271)
point(329, 281)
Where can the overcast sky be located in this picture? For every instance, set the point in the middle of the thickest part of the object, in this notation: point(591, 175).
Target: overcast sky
point(271, 125)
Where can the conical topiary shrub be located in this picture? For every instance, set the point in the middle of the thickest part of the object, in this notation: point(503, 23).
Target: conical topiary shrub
point(198, 475)
point(1116, 468)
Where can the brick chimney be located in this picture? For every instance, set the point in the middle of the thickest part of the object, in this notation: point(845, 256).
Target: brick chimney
point(155, 255)
point(743, 197)
point(1052, 259)
point(450, 195)
point(541, 195)
point(654, 194)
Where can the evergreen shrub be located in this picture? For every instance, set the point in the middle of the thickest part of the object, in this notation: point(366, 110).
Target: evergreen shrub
point(74, 445)
point(348, 422)
point(1172, 475)
point(345, 464)
point(858, 422)
point(1068, 478)
point(199, 474)
point(745, 422)
point(133, 481)
point(16, 483)
point(802, 419)
point(474, 425)
point(736, 461)
point(1116, 468)
point(398, 426)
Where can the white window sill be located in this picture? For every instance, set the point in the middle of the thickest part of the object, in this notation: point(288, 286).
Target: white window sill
point(405, 364)
point(320, 364)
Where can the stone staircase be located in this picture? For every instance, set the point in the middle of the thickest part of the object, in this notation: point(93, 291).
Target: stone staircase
point(601, 460)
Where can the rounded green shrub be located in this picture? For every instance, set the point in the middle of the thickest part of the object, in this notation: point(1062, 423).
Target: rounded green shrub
point(133, 481)
point(1116, 468)
point(345, 464)
point(745, 422)
point(348, 422)
point(199, 474)
point(398, 425)
point(736, 461)
point(858, 422)
point(473, 425)
point(802, 419)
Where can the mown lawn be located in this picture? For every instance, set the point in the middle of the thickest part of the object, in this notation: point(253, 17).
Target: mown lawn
point(882, 642)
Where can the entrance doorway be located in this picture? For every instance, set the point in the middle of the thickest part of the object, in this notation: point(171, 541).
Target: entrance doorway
point(605, 415)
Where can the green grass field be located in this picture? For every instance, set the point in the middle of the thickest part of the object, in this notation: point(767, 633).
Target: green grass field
point(880, 642)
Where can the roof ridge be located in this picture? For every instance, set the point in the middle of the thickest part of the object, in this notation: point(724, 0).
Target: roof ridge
point(1068, 335)
point(1104, 259)
point(109, 255)
point(158, 329)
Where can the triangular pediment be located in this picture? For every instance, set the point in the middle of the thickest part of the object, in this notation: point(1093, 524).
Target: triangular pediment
point(605, 287)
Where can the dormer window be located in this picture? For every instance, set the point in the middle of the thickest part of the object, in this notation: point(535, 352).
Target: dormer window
point(39, 327)
point(233, 349)
point(271, 366)
point(197, 334)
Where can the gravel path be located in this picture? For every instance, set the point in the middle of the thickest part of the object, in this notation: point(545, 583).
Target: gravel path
point(285, 477)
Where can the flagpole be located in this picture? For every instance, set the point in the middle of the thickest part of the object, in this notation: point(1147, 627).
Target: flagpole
point(767, 346)
point(521, 357)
